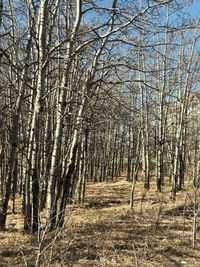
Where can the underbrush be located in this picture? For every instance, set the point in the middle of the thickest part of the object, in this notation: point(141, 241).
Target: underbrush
point(105, 232)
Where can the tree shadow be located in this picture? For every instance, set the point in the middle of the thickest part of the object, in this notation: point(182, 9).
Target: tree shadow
point(182, 210)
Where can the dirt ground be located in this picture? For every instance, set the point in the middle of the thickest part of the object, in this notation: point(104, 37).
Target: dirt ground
point(105, 232)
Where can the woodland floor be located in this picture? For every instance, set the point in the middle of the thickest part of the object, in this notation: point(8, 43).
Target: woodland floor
point(104, 232)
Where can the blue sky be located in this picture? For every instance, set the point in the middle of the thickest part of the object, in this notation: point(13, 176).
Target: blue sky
point(195, 9)
point(192, 9)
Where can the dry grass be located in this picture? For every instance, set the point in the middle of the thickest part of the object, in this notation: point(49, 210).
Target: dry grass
point(104, 232)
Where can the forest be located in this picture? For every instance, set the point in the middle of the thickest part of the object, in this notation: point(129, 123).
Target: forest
point(99, 133)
